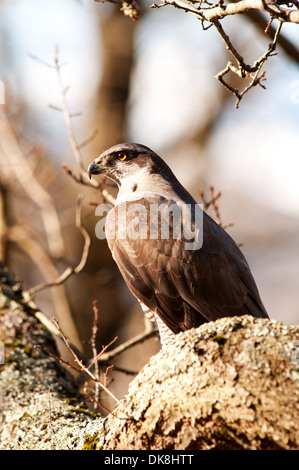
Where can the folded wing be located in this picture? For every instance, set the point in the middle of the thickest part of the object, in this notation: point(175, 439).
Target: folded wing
point(184, 287)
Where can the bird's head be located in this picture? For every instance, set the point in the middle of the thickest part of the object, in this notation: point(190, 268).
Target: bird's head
point(128, 161)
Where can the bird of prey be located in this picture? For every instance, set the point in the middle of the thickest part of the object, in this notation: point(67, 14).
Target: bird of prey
point(182, 284)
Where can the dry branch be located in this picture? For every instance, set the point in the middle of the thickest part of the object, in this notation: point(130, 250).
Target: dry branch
point(17, 165)
point(76, 147)
point(211, 14)
point(82, 367)
point(219, 9)
point(214, 13)
point(69, 271)
point(19, 173)
point(149, 332)
point(212, 203)
point(243, 70)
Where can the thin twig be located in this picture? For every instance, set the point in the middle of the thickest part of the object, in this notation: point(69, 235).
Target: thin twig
point(215, 12)
point(96, 402)
point(98, 357)
point(94, 332)
point(148, 333)
point(108, 368)
point(66, 112)
point(212, 202)
point(24, 239)
point(69, 271)
point(75, 146)
point(243, 70)
point(85, 370)
point(81, 179)
point(83, 176)
point(88, 139)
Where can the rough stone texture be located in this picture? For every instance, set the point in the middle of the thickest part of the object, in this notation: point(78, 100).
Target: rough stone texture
point(40, 405)
point(230, 384)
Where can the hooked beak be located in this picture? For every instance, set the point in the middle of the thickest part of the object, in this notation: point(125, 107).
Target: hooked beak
point(94, 169)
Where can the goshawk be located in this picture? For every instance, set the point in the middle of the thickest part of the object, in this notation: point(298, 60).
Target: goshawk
point(176, 260)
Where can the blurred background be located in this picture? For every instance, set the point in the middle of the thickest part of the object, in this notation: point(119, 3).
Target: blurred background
point(148, 81)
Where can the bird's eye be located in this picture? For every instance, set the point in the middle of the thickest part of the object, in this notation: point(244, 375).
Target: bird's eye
point(122, 156)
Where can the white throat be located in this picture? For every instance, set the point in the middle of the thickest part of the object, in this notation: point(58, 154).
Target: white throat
point(143, 183)
point(126, 192)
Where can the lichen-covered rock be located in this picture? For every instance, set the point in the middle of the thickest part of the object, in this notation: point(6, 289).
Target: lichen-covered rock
point(230, 384)
point(40, 405)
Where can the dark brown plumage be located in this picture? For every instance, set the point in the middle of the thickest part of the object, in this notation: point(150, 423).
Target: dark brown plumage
point(185, 288)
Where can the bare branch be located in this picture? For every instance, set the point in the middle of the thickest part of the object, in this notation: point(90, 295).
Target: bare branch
point(212, 202)
point(243, 70)
point(215, 12)
point(219, 10)
point(98, 356)
point(85, 370)
point(22, 237)
point(83, 176)
point(90, 396)
point(18, 166)
point(81, 179)
point(69, 270)
point(66, 113)
point(84, 179)
point(147, 333)
point(88, 139)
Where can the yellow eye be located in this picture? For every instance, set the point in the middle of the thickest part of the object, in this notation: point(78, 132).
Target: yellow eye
point(122, 156)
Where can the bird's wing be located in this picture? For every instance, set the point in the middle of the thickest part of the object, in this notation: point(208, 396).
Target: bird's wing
point(184, 287)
